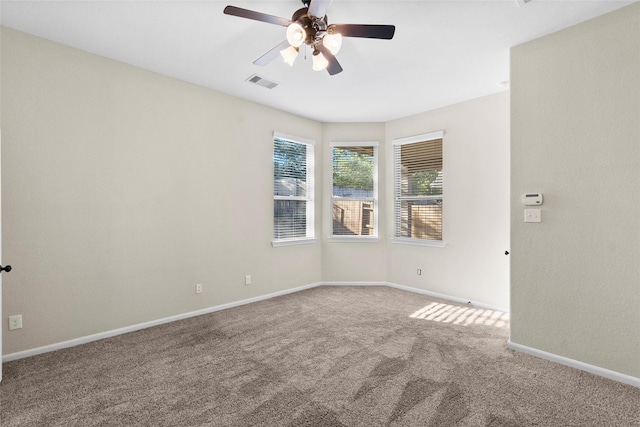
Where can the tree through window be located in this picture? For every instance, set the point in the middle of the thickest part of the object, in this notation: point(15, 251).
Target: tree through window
point(418, 183)
point(354, 196)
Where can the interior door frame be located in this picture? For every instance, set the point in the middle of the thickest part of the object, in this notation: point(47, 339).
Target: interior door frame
point(1, 318)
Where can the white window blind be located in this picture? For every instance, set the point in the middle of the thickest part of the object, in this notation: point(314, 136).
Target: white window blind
point(354, 190)
point(293, 188)
point(418, 182)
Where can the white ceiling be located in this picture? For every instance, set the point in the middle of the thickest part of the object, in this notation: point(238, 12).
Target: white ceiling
point(443, 52)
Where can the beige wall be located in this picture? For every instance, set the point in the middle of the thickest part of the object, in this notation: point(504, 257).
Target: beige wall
point(352, 261)
point(575, 111)
point(472, 265)
point(122, 189)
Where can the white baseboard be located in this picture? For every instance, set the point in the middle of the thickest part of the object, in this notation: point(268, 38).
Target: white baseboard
point(448, 297)
point(359, 283)
point(626, 379)
point(139, 326)
point(612, 375)
point(421, 292)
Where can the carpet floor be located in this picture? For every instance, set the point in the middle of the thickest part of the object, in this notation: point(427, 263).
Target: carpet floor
point(327, 356)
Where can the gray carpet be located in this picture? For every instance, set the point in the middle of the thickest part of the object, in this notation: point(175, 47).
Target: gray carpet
point(328, 356)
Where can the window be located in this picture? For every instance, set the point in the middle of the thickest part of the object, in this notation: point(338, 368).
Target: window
point(355, 187)
point(418, 183)
point(293, 212)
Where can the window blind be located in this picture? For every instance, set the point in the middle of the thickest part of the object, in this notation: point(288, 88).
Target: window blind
point(292, 189)
point(418, 182)
point(354, 190)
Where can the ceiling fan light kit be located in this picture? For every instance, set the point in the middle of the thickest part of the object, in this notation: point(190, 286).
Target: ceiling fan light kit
point(309, 26)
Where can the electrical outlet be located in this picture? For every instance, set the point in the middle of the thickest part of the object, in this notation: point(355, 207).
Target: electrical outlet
point(419, 272)
point(15, 322)
point(199, 288)
point(247, 279)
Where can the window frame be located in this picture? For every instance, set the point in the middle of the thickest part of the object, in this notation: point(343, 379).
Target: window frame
point(357, 238)
point(425, 137)
point(309, 237)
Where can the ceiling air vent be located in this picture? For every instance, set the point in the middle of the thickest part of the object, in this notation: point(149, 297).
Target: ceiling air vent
point(261, 81)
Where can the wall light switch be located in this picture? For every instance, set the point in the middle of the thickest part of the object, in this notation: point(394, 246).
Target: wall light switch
point(532, 215)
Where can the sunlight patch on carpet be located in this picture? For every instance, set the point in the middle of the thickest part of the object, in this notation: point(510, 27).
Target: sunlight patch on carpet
point(446, 313)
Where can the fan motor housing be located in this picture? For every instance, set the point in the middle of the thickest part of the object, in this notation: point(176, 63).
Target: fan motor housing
point(313, 26)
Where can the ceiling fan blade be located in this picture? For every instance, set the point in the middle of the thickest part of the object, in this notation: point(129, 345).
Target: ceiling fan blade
point(318, 8)
point(257, 16)
point(334, 66)
point(272, 54)
point(370, 31)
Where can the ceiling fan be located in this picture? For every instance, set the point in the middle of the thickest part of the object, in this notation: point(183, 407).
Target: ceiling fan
point(309, 25)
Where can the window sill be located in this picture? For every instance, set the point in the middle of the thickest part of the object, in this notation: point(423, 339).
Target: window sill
point(419, 242)
point(353, 239)
point(292, 242)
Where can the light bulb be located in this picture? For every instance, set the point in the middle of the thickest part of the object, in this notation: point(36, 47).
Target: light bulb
point(319, 61)
point(333, 42)
point(295, 34)
point(289, 54)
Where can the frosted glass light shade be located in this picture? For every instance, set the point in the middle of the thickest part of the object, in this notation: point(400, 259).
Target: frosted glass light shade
point(289, 54)
point(295, 34)
point(333, 42)
point(319, 61)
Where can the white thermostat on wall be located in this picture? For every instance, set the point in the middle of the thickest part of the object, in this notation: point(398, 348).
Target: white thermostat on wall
point(532, 199)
